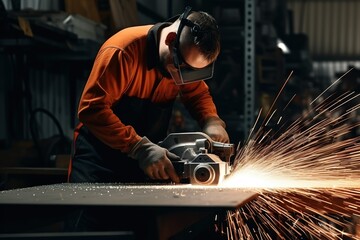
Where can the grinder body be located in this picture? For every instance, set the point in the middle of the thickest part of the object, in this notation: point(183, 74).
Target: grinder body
point(202, 160)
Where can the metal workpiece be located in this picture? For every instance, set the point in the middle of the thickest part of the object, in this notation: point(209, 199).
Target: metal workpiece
point(154, 196)
point(172, 210)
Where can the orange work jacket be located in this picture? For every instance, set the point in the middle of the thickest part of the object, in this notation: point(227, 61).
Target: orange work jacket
point(127, 65)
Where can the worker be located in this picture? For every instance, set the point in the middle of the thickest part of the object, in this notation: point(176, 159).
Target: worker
point(126, 104)
point(126, 107)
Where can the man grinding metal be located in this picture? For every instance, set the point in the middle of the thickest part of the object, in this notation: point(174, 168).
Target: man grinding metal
point(126, 105)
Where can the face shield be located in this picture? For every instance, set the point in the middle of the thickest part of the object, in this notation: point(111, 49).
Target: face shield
point(183, 73)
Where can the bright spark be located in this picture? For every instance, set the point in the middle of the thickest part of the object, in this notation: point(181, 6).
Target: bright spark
point(307, 175)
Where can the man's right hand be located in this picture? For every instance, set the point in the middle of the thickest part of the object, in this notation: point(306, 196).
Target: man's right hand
point(154, 160)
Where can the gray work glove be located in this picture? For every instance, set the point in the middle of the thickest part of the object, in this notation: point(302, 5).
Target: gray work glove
point(215, 128)
point(154, 160)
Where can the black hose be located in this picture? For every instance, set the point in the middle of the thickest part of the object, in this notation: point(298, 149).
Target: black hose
point(34, 131)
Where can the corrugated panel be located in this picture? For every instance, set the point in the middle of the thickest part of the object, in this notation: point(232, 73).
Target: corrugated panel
point(333, 27)
point(50, 90)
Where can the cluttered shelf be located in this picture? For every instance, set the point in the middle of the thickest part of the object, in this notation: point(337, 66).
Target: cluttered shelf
point(57, 35)
point(53, 45)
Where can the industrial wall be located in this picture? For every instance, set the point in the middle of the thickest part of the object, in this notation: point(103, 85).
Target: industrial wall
point(332, 27)
point(333, 31)
point(53, 84)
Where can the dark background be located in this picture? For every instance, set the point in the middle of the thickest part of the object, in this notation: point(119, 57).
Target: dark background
point(47, 49)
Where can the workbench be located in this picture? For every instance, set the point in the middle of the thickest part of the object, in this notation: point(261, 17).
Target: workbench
point(160, 211)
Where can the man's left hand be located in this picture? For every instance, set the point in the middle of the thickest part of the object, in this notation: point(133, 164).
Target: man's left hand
point(216, 130)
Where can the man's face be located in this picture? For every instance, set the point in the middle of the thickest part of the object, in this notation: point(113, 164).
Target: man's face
point(193, 65)
point(191, 59)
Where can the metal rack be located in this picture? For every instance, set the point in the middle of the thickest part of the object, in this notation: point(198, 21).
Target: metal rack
point(249, 65)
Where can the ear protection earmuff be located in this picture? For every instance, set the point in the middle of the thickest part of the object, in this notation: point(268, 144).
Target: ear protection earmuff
point(170, 38)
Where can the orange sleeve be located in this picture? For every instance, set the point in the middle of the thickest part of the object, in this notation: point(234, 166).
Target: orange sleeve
point(196, 97)
point(108, 80)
